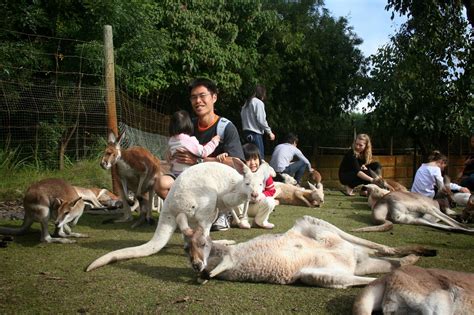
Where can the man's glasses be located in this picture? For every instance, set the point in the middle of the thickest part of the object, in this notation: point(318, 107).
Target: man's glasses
point(194, 98)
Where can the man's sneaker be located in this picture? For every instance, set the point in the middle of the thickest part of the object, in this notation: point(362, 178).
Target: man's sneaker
point(221, 223)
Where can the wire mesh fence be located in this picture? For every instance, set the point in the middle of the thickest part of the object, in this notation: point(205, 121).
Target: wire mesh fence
point(54, 106)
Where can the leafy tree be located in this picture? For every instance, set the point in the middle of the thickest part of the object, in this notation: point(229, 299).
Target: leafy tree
point(422, 80)
point(316, 71)
point(308, 60)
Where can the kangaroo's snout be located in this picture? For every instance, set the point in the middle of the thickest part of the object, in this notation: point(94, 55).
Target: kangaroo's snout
point(198, 266)
point(104, 165)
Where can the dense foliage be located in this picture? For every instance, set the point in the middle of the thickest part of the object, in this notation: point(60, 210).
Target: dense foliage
point(420, 83)
point(424, 76)
point(308, 60)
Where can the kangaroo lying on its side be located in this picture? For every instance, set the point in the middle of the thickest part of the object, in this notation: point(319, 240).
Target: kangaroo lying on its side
point(415, 290)
point(51, 198)
point(313, 252)
point(405, 207)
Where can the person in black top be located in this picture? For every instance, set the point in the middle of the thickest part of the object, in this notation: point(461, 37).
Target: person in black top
point(355, 167)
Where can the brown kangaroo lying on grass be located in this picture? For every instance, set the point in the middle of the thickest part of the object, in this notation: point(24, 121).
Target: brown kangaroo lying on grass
point(51, 198)
point(415, 290)
point(405, 207)
point(99, 198)
point(288, 194)
point(313, 252)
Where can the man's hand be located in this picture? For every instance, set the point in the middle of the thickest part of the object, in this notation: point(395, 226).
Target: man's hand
point(464, 190)
point(222, 157)
point(271, 135)
point(184, 156)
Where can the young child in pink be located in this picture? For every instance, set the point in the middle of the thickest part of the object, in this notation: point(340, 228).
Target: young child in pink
point(181, 128)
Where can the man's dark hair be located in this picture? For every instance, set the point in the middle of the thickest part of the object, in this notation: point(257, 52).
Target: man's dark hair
point(291, 138)
point(181, 123)
point(209, 84)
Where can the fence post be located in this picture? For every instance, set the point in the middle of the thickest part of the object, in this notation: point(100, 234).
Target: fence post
point(110, 95)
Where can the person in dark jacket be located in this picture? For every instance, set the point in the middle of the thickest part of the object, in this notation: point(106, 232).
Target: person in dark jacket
point(355, 167)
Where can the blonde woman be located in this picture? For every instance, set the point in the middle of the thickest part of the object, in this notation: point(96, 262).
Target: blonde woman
point(355, 167)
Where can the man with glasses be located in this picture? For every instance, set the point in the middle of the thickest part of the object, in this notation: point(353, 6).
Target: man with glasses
point(203, 96)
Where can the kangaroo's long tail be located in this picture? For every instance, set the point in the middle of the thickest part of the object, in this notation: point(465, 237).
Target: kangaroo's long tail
point(386, 226)
point(164, 231)
point(27, 222)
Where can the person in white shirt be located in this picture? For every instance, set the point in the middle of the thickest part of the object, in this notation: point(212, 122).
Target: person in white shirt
point(428, 174)
point(283, 155)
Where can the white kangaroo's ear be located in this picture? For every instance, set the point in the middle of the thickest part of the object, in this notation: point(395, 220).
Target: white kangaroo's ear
point(311, 186)
point(240, 166)
point(266, 170)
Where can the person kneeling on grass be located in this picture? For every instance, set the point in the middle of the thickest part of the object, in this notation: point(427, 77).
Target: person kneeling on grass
point(265, 205)
point(356, 166)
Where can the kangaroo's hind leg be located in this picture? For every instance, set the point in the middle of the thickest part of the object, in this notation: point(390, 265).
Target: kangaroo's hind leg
point(329, 278)
point(368, 265)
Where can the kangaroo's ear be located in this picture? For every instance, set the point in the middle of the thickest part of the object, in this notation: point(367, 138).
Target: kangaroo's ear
point(57, 202)
point(111, 137)
point(266, 170)
point(240, 166)
point(75, 201)
point(311, 186)
point(120, 137)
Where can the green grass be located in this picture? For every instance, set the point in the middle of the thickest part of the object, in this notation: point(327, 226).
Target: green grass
point(50, 278)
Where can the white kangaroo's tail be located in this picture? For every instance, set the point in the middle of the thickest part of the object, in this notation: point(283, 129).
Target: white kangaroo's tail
point(164, 231)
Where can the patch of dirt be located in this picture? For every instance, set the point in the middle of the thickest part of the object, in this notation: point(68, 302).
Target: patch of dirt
point(11, 210)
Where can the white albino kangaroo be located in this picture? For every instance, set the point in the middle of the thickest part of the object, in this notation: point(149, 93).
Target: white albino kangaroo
point(195, 197)
point(313, 252)
point(50, 198)
point(415, 290)
point(138, 170)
